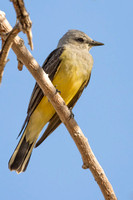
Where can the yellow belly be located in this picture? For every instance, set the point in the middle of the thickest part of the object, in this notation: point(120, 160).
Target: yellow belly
point(67, 80)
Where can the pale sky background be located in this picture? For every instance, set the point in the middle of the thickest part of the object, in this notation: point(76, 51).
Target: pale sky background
point(104, 112)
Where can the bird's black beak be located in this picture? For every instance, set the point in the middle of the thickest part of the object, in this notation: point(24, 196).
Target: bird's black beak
point(95, 43)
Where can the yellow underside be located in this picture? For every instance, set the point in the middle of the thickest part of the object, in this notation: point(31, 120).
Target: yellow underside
point(67, 81)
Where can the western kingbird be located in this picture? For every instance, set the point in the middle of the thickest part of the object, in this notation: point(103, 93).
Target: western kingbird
point(69, 68)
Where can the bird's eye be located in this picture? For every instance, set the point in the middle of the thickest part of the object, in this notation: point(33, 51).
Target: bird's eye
point(80, 39)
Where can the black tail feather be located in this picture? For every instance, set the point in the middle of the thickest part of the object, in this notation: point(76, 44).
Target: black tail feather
point(20, 156)
point(20, 168)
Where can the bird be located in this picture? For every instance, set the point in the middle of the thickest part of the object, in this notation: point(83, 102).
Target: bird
point(69, 68)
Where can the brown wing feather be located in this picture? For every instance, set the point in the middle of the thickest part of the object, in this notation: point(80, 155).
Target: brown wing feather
point(55, 120)
point(50, 66)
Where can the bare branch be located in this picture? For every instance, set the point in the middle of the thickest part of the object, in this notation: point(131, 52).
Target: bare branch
point(6, 47)
point(24, 19)
point(89, 160)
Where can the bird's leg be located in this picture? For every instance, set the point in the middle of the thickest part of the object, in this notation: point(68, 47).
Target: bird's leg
point(57, 91)
point(71, 113)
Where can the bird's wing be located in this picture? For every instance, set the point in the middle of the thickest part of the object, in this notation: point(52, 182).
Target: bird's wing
point(55, 120)
point(50, 66)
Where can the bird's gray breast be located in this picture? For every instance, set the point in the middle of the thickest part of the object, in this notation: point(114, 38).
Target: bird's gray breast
point(78, 60)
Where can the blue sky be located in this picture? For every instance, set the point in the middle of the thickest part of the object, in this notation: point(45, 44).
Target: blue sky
point(104, 112)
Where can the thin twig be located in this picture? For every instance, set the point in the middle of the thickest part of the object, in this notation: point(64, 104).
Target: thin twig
point(20, 65)
point(6, 47)
point(24, 19)
point(89, 160)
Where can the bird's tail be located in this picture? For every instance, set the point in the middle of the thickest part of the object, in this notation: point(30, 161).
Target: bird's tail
point(21, 156)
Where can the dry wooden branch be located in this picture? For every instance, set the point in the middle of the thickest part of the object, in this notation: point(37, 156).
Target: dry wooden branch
point(89, 160)
point(24, 19)
point(6, 47)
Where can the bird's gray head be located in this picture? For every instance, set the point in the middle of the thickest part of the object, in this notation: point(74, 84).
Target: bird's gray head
point(78, 39)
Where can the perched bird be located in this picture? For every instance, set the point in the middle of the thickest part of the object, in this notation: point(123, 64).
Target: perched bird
point(69, 68)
